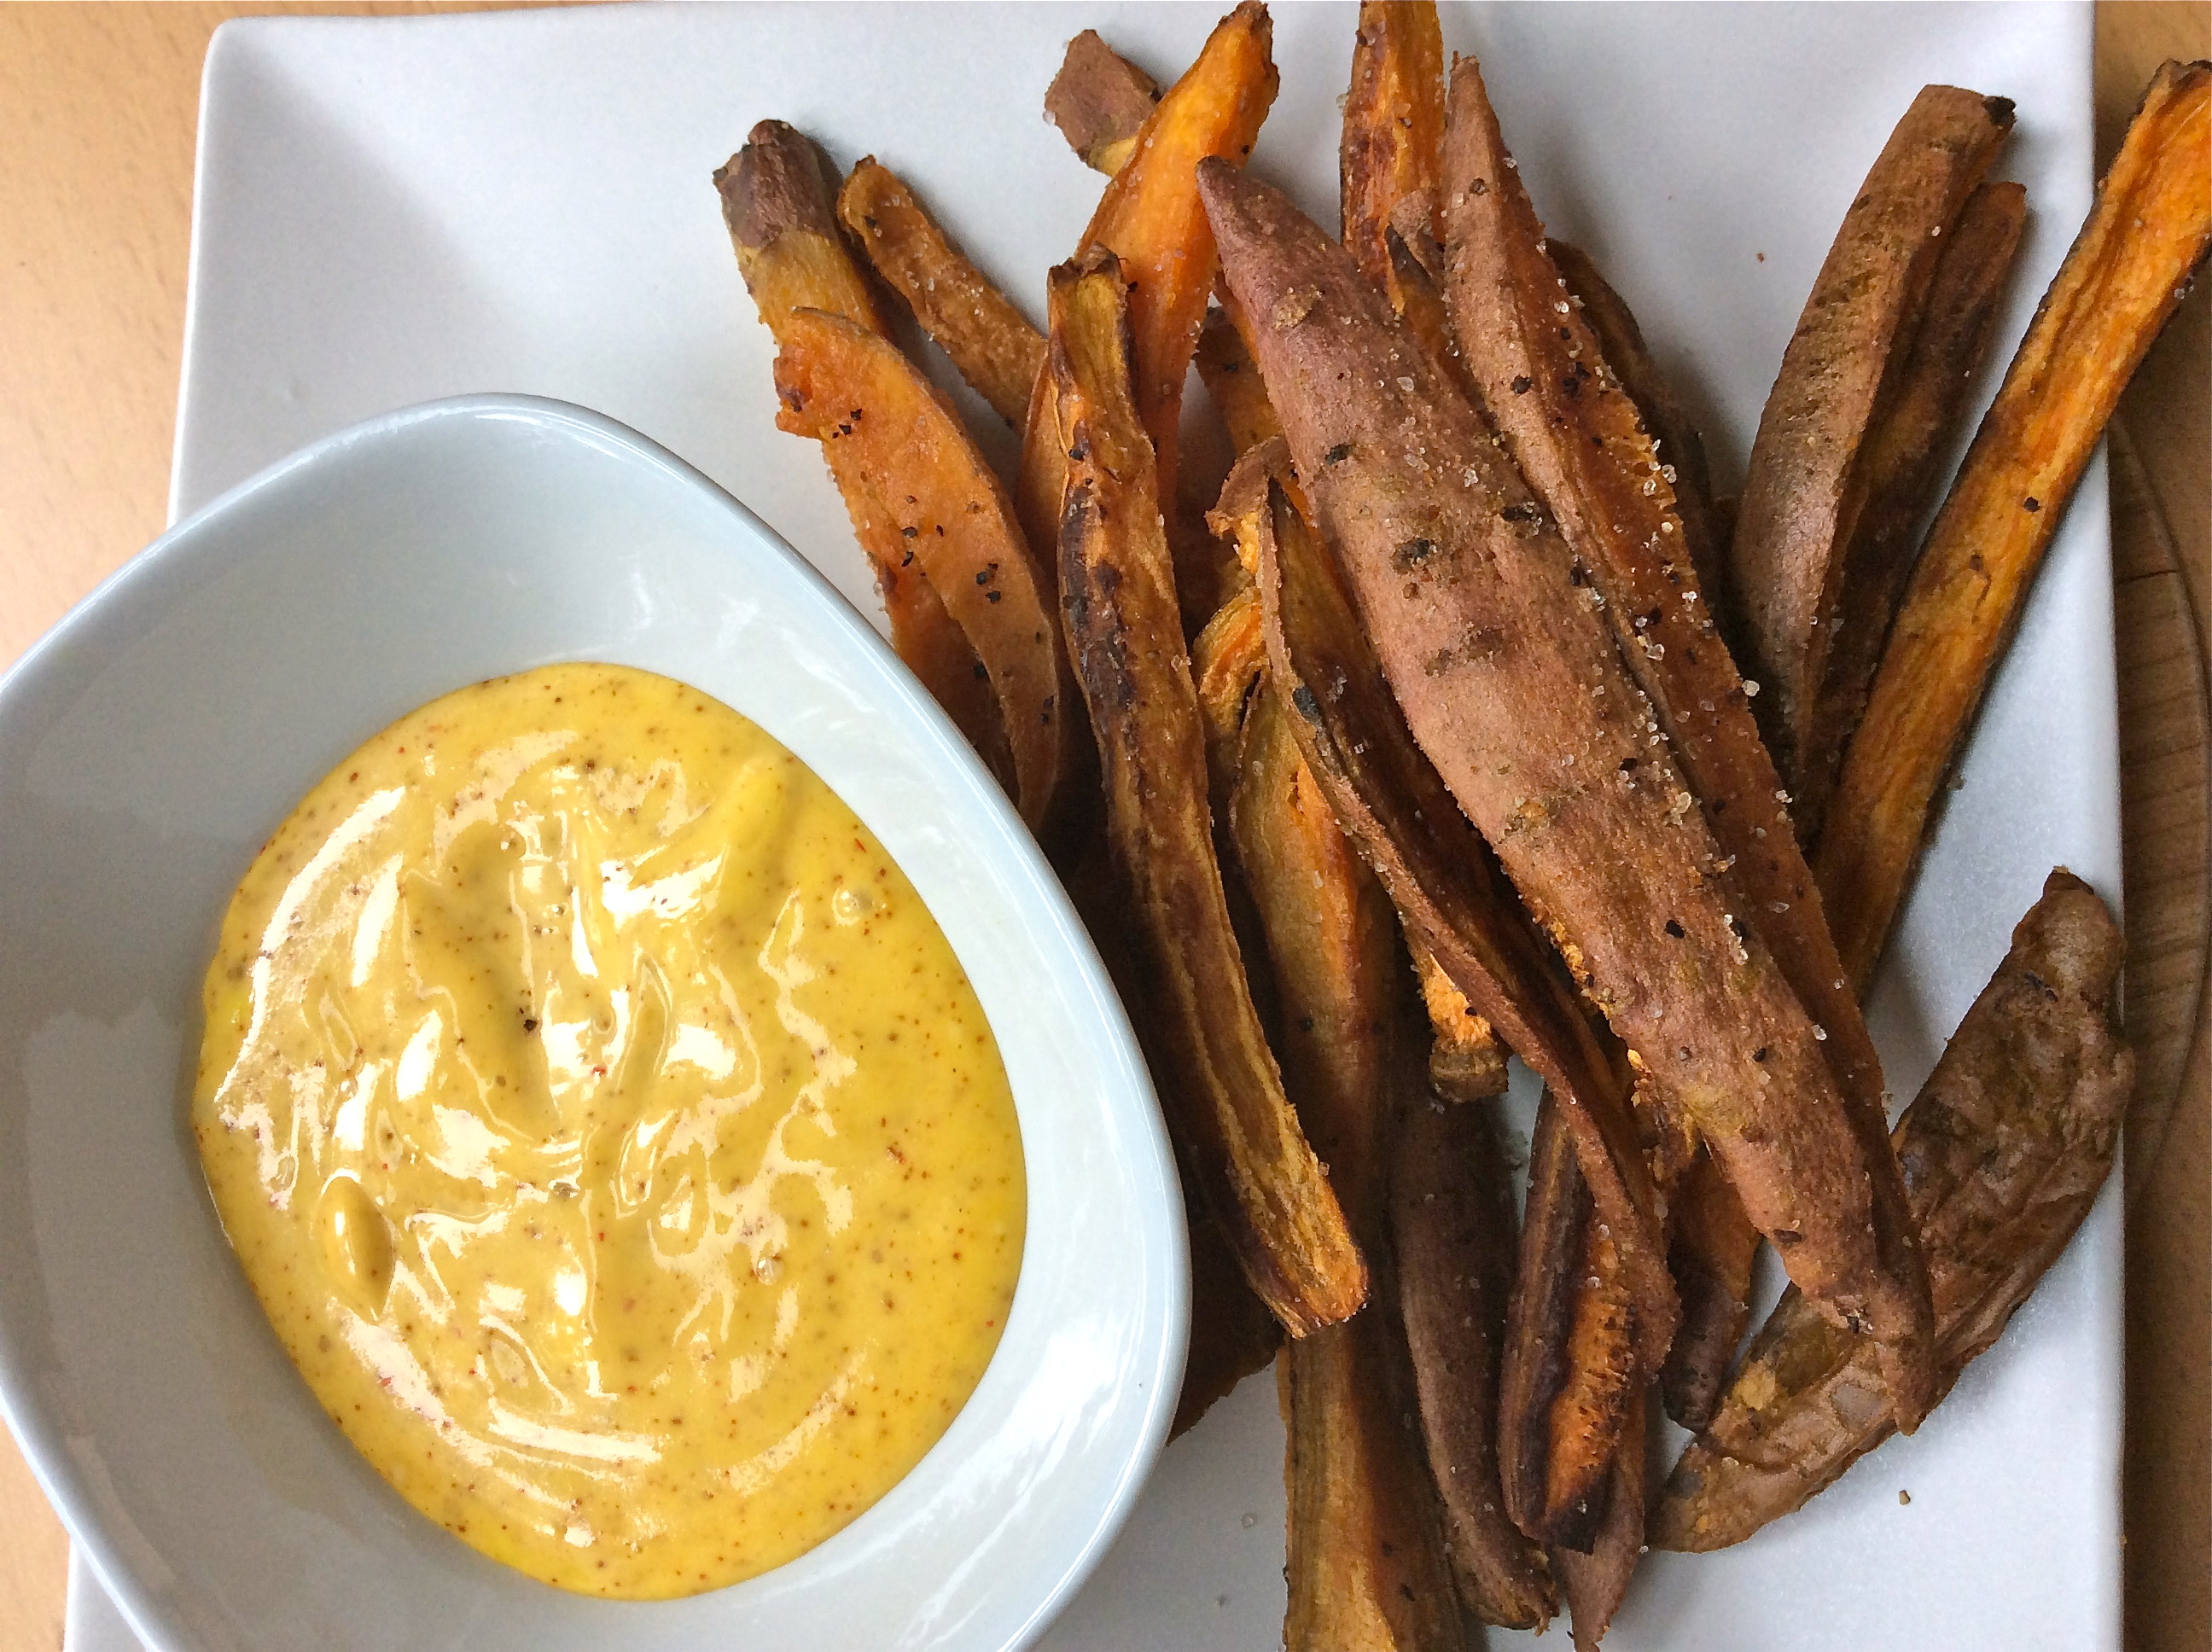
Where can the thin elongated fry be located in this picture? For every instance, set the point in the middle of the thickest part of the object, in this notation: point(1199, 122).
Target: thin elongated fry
point(1394, 125)
point(1395, 809)
point(1581, 444)
point(1806, 482)
point(1905, 451)
point(1099, 99)
point(1452, 1215)
point(920, 494)
point(990, 341)
point(1260, 1177)
point(1570, 1368)
point(777, 199)
point(1150, 218)
point(2122, 279)
point(2005, 1148)
point(1711, 1250)
point(1514, 688)
point(1594, 1584)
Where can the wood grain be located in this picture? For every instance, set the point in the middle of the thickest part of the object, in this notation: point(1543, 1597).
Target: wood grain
point(98, 110)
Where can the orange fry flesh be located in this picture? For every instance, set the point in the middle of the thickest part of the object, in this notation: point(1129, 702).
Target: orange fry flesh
point(1392, 148)
point(1259, 1176)
point(990, 341)
point(2121, 280)
point(921, 494)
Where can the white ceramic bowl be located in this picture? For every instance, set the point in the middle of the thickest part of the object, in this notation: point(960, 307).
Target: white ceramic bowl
point(146, 747)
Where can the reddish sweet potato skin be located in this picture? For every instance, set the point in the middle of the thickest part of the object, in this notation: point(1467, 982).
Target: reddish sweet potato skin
point(1510, 682)
point(2004, 1152)
point(1806, 484)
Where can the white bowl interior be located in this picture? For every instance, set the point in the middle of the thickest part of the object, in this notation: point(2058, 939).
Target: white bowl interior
point(147, 748)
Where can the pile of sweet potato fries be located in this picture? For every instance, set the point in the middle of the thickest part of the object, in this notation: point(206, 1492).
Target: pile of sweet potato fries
point(1467, 721)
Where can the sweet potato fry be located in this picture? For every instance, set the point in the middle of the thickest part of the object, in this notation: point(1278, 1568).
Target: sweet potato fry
point(2004, 1150)
point(1392, 806)
point(1580, 443)
point(1711, 1249)
point(1807, 481)
point(1150, 218)
point(1231, 1334)
point(1514, 689)
point(990, 341)
point(1098, 100)
point(1365, 1565)
point(1394, 125)
point(1594, 1584)
point(1904, 453)
point(1396, 808)
point(1466, 1063)
point(1570, 1366)
point(920, 494)
point(1227, 659)
point(1674, 438)
point(2122, 277)
point(1452, 1215)
point(1225, 368)
point(777, 199)
point(1260, 1177)
point(1328, 931)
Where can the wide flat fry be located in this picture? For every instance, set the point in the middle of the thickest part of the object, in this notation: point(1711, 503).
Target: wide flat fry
point(1395, 809)
point(1150, 218)
point(1594, 1584)
point(1807, 481)
point(1452, 1215)
point(2004, 1150)
point(1260, 1176)
point(1099, 99)
point(1569, 1367)
point(1904, 463)
point(1580, 442)
point(990, 342)
point(1513, 687)
point(919, 493)
point(2122, 279)
point(1394, 125)
point(1711, 1248)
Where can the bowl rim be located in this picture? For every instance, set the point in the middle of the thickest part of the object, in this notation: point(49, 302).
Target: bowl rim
point(183, 551)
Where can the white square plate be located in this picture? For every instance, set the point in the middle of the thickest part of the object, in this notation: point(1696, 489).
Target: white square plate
point(395, 209)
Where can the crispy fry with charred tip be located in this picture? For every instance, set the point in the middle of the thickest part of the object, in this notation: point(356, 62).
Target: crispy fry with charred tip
point(1099, 99)
point(1467, 1062)
point(1150, 218)
point(1711, 1248)
point(1393, 807)
point(1260, 1176)
point(990, 342)
point(1569, 1367)
point(1594, 1584)
point(1512, 682)
point(1584, 450)
point(920, 494)
point(1905, 453)
point(779, 201)
point(1391, 150)
point(2122, 279)
point(1452, 1216)
point(1226, 369)
point(2005, 1150)
point(1807, 481)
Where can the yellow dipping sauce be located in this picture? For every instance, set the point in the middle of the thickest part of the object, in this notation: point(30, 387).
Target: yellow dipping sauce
point(615, 1142)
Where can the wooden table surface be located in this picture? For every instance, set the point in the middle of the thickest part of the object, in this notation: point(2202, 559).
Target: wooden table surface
point(98, 110)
